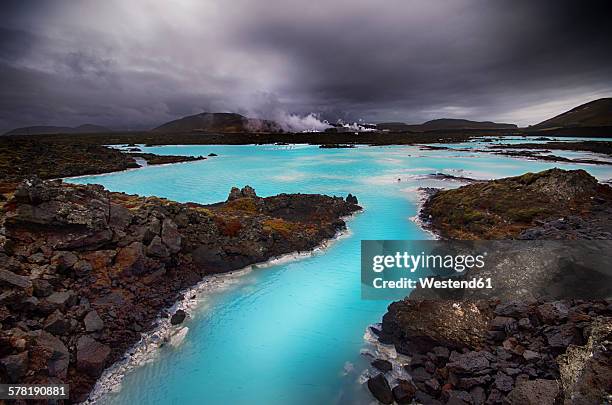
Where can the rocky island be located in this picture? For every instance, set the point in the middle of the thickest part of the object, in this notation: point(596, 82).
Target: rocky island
point(505, 352)
point(85, 271)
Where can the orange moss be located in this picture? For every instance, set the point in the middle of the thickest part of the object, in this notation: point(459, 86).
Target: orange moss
point(241, 204)
point(280, 225)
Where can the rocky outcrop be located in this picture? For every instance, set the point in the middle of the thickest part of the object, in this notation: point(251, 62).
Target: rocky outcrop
point(524, 207)
point(84, 271)
point(527, 351)
point(416, 326)
point(512, 353)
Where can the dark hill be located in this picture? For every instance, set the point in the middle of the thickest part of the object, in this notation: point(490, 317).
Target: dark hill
point(444, 124)
point(218, 122)
point(596, 113)
point(49, 129)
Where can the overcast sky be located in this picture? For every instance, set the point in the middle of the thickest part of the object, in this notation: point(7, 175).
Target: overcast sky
point(137, 63)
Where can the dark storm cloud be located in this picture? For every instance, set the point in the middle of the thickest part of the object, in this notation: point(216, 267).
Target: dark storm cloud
point(139, 63)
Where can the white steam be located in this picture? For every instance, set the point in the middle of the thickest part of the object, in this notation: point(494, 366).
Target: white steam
point(296, 123)
point(268, 106)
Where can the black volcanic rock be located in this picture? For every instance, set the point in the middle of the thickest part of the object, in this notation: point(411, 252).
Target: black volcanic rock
point(382, 365)
point(178, 317)
point(379, 387)
point(86, 270)
point(511, 352)
point(46, 158)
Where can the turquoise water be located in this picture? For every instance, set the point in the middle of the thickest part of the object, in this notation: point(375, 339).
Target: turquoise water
point(292, 332)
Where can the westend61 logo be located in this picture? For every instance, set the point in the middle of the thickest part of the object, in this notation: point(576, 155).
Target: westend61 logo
point(472, 270)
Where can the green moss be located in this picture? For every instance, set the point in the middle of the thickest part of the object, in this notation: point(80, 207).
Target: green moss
point(527, 215)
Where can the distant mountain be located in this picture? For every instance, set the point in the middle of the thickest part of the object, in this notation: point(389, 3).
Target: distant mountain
point(218, 122)
point(444, 124)
point(597, 113)
point(48, 129)
point(394, 126)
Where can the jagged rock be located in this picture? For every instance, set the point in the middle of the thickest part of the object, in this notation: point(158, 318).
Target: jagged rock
point(534, 392)
point(64, 260)
point(455, 397)
point(586, 371)
point(525, 323)
point(552, 312)
point(530, 355)
point(246, 192)
point(382, 365)
point(469, 382)
point(37, 258)
point(91, 356)
point(470, 362)
point(379, 387)
point(93, 322)
point(478, 395)
point(57, 324)
point(99, 259)
point(56, 357)
point(114, 298)
point(34, 305)
point(62, 299)
point(234, 194)
point(152, 230)
point(441, 352)
point(562, 336)
point(131, 259)
point(351, 199)
point(42, 288)
point(15, 366)
point(170, 236)
point(432, 386)
point(82, 268)
point(178, 317)
point(502, 323)
point(425, 399)
point(8, 277)
point(419, 374)
point(156, 248)
point(119, 217)
point(404, 392)
point(503, 382)
point(512, 308)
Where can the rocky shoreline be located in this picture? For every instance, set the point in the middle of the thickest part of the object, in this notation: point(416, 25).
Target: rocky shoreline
point(504, 352)
point(22, 158)
point(85, 272)
point(601, 147)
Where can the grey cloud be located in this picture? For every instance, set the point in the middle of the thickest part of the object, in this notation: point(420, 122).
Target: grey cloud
point(136, 64)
